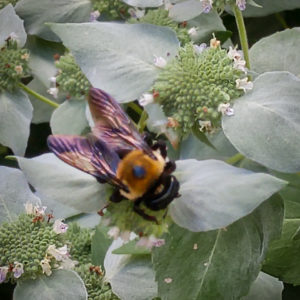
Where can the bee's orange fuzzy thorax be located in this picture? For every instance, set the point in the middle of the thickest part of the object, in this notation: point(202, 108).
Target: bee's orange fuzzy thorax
point(138, 186)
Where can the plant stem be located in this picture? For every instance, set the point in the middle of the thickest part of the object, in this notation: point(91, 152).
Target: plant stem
point(142, 122)
point(281, 20)
point(37, 95)
point(242, 34)
point(235, 158)
point(135, 107)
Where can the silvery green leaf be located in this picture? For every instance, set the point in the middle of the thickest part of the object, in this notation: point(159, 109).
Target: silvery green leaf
point(266, 124)
point(69, 118)
point(124, 271)
point(186, 10)
point(118, 58)
point(265, 287)
point(14, 193)
point(144, 3)
point(55, 180)
point(217, 264)
point(282, 45)
point(61, 285)
point(41, 58)
point(11, 24)
point(15, 118)
point(60, 11)
point(215, 194)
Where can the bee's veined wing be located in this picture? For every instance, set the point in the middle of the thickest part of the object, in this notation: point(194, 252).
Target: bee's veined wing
point(112, 124)
point(87, 154)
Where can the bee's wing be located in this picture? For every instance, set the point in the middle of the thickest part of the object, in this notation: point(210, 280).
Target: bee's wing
point(112, 124)
point(87, 154)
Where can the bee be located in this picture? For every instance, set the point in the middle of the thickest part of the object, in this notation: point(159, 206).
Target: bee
point(115, 153)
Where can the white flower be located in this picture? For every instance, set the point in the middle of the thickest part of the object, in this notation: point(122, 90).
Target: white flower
point(205, 125)
point(68, 264)
point(125, 236)
point(25, 56)
point(18, 269)
point(168, 280)
point(150, 242)
point(146, 99)
point(19, 69)
point(114, 232)
point(244, 84)
point(39, 210)
point(136, 13)
point(59, 227)
point(234, 54)
point(94, 15)
point(159, 62)
point(3, 272)
point(29, 208)
point(214, 43)
point(59, 254)
point(206, 5)
point(241, 4)
point(225, 109)
point(199, 49)
point(53, 91)
point(240, 65)
point(46, 266)
point(192, 32)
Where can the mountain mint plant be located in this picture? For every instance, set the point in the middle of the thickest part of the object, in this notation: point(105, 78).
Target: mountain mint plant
point(163, 136)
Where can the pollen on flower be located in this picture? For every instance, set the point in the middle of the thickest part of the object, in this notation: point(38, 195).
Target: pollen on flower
point(225, 109)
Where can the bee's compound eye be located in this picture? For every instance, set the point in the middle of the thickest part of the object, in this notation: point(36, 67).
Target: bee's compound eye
point(139, 172)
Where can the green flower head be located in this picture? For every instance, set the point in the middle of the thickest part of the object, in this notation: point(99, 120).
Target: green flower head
point(13, 65)
point(197, 87)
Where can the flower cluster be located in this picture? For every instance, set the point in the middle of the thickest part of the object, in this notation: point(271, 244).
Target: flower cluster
point(219, 5)
point(197, 87)
point(161, 17)
point(97, 287)
point(111, 9)
point(70, 77)
point(80, 243)
point(13, 65)
point(125, 220)
point(32, 245)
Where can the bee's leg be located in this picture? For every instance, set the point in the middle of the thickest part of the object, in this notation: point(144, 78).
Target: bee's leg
point(161, 145)
point(101, 211)
point(147, 138)
point(116, 196)
point(139, 211)
point(169, 167)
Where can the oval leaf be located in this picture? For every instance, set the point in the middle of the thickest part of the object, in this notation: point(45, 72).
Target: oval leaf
point(118, 58)
point(11, 23)
point(123, 272)
point(62, 120)
point(219, 264)
point(60, 11)
point(15, 118)
point(144, 3)
point(266, 123)
point(282, 45)
point(214, 194)
point(14, 193)
point(55, 180)
point(61, 285)
point(186, 10)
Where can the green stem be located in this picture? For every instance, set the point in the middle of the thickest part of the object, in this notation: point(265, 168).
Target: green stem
point(242, 34)
point(37, 95)
point(142, 122)
point(281, 20)
point(235, 158)
point(135, 107)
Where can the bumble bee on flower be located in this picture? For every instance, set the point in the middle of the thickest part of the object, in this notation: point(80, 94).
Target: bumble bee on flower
point(115, 153)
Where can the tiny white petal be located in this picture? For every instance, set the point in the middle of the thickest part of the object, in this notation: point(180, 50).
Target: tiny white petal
point(244, 84)
point(40, 210)
point(3, 273)
point(195, 247)
point(205, 125)
point(94, 15)
point(168, 280)
point(18, 269)
point(136, 13)
point(59, 254)
point(29, 209)
point(53, 91)
point(146, 99)
point(192, 32)
point(59, 227)
point(46, 266)
point(241, 4)
point(159, 62)
point(206, 5)
point(225, 109)
point(199, 49)
point(114, 232)
point(53, 79)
